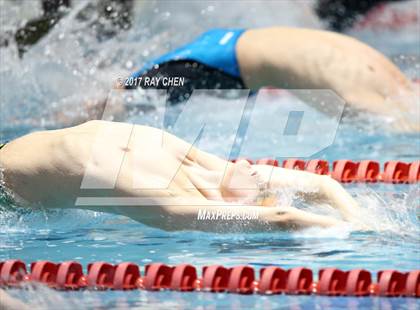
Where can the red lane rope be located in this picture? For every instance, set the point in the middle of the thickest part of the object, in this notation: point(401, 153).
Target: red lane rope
point(346, 171)
point(215, 278)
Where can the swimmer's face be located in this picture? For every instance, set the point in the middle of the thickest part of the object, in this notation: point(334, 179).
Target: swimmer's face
point(240, 182)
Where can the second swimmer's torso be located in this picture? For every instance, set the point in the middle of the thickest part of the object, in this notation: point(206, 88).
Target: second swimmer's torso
point(209, 62)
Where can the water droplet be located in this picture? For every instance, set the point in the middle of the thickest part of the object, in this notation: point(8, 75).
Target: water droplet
point(129, 64)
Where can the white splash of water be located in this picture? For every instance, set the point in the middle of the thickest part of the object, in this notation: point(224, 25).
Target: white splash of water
point(383, 212)
point(390, 212)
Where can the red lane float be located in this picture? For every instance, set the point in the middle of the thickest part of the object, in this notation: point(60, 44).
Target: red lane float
point(346, 171)
point(412, 287)
point(126, 277)
point(296, 164)
point(332, 282)
point(158, 276)
point(318, 166)
point(414, 172)
point(12, 272)
point(70, 276)
point(368, 171)
point(184, 278)
point(240, 279)
point(100, 275)
point(215, 278)
point(44, 272)
point(358, 282)
point(272, 280)
point(391, 283)
point(299, 281)
point(267, 161)
point(395, 172)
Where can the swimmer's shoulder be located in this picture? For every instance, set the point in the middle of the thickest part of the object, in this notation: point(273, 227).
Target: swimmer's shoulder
point(120, 131)
point(95, 125)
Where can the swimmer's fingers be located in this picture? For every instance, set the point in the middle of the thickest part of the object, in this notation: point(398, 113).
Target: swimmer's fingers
point(292, 218)
point(406, 124)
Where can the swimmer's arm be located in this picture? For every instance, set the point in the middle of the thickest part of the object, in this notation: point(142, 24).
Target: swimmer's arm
point(191, 214)
point(294, 58)
point(284, 218)
point(312, 187)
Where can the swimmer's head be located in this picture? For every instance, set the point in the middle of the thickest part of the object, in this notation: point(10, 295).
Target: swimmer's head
point(240, 182)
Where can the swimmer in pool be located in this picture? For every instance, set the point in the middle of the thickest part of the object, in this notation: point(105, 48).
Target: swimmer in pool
point(174, 180)
point(289, 58)
point(343, 14)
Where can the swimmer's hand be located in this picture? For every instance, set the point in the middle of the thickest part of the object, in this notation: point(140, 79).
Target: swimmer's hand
point(312, 188)
point(293, 218)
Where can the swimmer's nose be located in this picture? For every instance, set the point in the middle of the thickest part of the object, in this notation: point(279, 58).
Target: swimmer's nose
point(243, 163)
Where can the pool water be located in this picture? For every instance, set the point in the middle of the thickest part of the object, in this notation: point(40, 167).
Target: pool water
point(32, 87)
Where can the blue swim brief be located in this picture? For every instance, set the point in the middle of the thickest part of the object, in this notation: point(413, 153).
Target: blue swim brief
point(215, 48)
